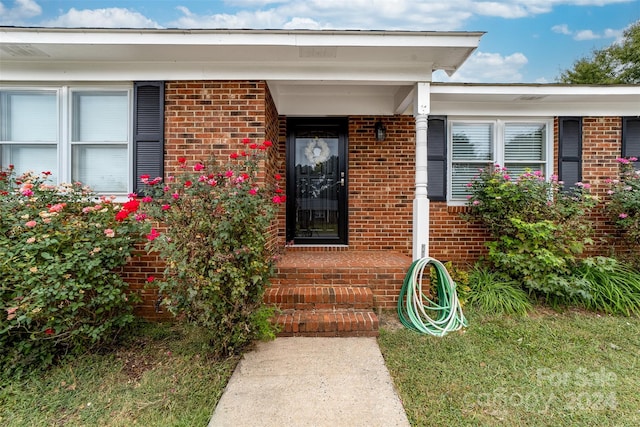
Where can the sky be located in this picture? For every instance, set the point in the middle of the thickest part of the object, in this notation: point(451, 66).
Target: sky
point(526, 41)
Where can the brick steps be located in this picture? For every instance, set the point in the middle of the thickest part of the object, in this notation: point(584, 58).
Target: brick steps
point(324, 311)
point(328, 292)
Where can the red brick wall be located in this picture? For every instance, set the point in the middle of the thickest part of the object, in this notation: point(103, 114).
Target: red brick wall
point(452, 238)
point(275, 164)
point(135, 273)
point(210, 118)
point(601, 146)
point(381, 184)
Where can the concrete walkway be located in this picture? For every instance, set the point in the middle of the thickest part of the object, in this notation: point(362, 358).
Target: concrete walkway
point(297, 382)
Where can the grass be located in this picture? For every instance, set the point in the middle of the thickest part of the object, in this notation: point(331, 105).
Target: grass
point(158, 377)
point(545, 369)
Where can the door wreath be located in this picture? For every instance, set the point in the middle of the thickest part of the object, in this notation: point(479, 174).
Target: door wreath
point(317, 151)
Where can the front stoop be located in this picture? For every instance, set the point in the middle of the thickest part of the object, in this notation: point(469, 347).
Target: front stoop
point(323, 292)
point(324, 311)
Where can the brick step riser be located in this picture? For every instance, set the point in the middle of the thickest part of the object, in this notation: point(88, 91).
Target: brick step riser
point(319, 298)
point(328, 324)
point(324, 307)
point(337, 277)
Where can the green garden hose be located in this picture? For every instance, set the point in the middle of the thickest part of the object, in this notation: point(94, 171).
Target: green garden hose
point(414, 306)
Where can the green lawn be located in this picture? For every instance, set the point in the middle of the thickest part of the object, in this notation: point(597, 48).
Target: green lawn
point(548, 369)
point(159, 377)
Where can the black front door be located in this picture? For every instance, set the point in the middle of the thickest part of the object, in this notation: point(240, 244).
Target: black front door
point(317, 181)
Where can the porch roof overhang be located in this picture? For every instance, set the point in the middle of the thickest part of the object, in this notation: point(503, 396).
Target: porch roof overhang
point(309, 72)
point(473, 99)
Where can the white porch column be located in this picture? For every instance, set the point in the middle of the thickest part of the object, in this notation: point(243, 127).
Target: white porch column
point(421, 202)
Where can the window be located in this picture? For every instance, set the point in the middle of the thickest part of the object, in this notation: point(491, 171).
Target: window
point(516, 145)
point(76, 133)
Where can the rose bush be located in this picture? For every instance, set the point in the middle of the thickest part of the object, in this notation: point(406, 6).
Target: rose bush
point(210, 224)
point(60, 247)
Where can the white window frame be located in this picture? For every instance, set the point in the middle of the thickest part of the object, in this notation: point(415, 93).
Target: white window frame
point(498, 144)
point(64, 141)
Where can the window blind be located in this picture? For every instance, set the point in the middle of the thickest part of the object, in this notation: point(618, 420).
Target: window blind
point(472, 141)
point(30, 117)
point(104, 168)
point(524, 142)
point(100, 116)
point(32, 157)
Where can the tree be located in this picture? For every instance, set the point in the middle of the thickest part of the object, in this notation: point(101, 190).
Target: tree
point(616, 64)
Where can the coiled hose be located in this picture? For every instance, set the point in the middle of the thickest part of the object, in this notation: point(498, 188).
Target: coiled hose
point(416, 310)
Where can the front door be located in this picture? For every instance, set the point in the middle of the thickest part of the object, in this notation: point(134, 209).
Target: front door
point(317, 181)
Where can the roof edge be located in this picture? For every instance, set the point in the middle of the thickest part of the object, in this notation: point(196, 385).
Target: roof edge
point(479, 88)
point(240, 31)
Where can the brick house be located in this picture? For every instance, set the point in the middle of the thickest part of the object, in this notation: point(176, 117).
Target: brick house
point(376, 156)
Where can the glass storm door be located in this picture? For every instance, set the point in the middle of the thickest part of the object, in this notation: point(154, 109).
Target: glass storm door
point(317, 181)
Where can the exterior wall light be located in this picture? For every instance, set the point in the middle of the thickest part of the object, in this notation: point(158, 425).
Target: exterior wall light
point(381, 131)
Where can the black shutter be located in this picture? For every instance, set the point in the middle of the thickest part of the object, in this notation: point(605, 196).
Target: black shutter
point(437, 158)
point(570, 150)
point(148, 131)
point(631, 138)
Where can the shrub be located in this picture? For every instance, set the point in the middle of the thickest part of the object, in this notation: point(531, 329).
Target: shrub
point(538, 230)
point(215, 220)
point(496, 293)
point(59, 247)
point(458, 274)
point(624, 203)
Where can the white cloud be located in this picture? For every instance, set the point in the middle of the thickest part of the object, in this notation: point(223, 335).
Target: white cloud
point(336, 14)
point(102, 18)
point(21, 12)
point(252, 3)
point(561, 29)
point(614, 34)
point(585, 35)
point(243, 19)
point(488, 68)
point(435, 15)
point(302, 23)
point(501, 9)
point(511, 9)
point(581, 35)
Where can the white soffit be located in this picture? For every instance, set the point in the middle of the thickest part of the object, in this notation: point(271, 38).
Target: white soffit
point(122, 54)
point(534, 99)
point(309, 72)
